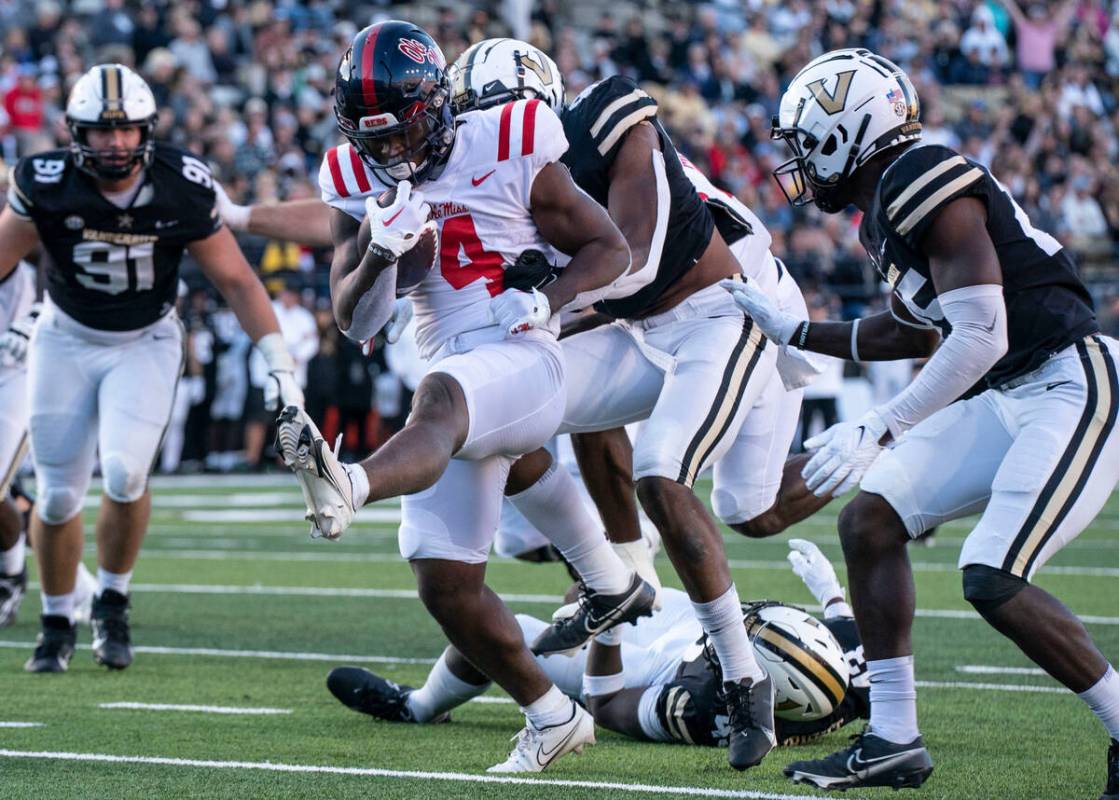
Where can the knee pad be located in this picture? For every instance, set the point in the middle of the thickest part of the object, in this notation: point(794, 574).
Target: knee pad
point(987, 588)
point(123, 479)
point(57, 504)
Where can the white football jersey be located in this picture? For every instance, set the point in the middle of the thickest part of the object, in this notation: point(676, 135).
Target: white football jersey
point(754, 251)
point(481, 202)
point(17, 293)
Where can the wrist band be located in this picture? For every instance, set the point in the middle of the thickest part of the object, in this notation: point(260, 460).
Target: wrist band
point(803, 335)
point(382, 252)
point(855, 341)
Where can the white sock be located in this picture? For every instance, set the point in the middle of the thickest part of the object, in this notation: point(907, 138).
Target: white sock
point(555, 508)
point(84, 584)
point(59, 605)
point(722, 619)
point(11, 560)
point(1103, 699)
point(893, 699)
point(442, 691)
point(359, 483)
point(117, 581)
point(554, 708)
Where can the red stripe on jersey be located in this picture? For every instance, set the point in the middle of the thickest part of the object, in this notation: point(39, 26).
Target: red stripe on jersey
point(336, 172)
point(529, 133)
point(503, 132)
point(368, 87)
point(359, 171)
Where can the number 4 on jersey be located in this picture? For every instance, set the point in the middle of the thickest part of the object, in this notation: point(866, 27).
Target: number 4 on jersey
point(463, 259)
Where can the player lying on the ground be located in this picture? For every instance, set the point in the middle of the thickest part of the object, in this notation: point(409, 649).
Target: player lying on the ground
point(1036, 452)
point(115, 212)
point(662, 682)
point(445, 209)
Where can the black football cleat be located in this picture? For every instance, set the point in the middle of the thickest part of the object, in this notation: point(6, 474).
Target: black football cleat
point(1112, 790)
point(55, 646)
point(371, 694)
point(750, 708)
point(112, 640)
point(596, 613)
point(12, 588)
point(869, 761)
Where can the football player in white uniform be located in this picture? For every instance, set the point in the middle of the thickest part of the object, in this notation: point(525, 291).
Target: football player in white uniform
point(115, 212)
point(1036, 452)
point(490, 187)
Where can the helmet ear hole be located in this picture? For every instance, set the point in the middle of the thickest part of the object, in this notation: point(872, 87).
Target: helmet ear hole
point(830, 145)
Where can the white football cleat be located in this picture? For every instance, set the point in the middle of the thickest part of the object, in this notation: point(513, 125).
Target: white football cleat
point(537, 749)
point(326, 485)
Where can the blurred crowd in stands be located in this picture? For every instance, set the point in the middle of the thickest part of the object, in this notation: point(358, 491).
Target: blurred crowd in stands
point(1028, 87)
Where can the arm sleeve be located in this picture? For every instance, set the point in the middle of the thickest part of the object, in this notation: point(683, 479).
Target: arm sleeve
point(19, 198)
point(978, 340)
point(374, 308)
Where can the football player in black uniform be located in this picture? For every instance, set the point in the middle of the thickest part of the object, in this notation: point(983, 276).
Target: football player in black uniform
point(680, 356)
point(115, 211)
point(1036, 452)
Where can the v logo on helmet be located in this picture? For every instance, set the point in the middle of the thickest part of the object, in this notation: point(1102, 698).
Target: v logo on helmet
point(832, 102)
point(542, 70)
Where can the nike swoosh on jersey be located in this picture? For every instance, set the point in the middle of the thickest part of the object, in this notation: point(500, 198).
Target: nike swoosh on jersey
point(392, 219)
point(1055, 384)
point(479, 181)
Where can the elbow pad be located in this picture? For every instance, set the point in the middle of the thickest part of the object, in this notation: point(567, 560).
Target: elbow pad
point(978, 340)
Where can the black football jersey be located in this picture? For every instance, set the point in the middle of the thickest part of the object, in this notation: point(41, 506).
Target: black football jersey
point(1047, 307)
point(112, 268)
point(691, 707)
point(595, 125)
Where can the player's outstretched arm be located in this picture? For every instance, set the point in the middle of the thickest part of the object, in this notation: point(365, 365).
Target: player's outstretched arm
point(224, 264)
point(573, 223)
point(18, 237)
point(305, 222)
point(614, 707)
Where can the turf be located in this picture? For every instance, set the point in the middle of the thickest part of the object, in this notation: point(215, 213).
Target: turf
point(987, 743)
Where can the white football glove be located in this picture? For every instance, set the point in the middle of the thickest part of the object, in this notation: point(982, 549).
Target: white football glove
point(844, 452)
point(813, 567)
point(401, 315)
point(234, 215)
point(14, 341)
point(398, 227)
point(517, 311)
point(280, 388)
point(778, 326)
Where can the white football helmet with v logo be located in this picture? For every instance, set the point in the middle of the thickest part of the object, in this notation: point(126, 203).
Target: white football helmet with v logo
point(839, 111)
point(497, 71)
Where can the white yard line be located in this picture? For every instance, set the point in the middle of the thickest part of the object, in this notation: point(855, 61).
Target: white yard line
point(780, 566)
point(21, 725)
point(370, 772)
point(368, 516)
point(992, 687)
point(129, 706)
point(410, 594)
point(281, 655)
point(981, 669)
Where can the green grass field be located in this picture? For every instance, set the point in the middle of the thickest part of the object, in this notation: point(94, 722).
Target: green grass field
point(240, 609)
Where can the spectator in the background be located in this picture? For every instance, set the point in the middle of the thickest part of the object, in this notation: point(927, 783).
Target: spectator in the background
point(191, 51)
point(983, 42)
point(112, 25)
point(23, 104)
point(1083, 218)
point(1038, 30)
point(42, 36)
point(149, 32)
